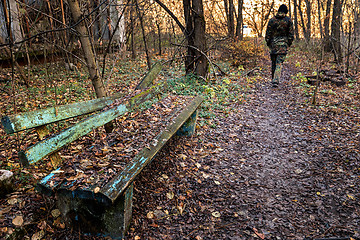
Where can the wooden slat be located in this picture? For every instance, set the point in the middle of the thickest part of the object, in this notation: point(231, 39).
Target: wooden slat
point(122, 180)
point(28, 120)
point(50, 145)
point(148, 80)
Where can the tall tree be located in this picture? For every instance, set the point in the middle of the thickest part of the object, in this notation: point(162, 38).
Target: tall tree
point(239, 20)
point(327, 42)
point(201, 62)
point(357, 18)
point(308, 23)
point(336, 30)
point(231, 25)
point(189, 35)
point(296, 23)
point(319, 19)
point(305, 26)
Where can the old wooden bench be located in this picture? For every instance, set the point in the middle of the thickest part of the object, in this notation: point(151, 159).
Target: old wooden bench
point(103, 208)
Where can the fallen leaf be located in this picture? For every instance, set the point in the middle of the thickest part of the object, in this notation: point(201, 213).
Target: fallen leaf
point(216, 214)
point(55, 213)
point(39, 235)
point(205, 175)
point(150, 215)
point(18, 221)
point(181, 208)
point(12, 201)
point(260, 235)
point(170, 195)
point(217, 182)
point(351, 197)
point(58, 223)
point(96, 190)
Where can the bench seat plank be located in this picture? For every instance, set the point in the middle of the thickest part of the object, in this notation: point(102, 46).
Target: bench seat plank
point(122, 180)
point(51, 145)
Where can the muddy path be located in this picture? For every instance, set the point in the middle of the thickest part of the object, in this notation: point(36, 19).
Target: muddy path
point(271, 169)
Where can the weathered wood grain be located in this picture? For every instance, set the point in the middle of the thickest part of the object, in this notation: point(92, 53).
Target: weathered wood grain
point(121, 181)
point(50, 145)
point(148, 80)
point(28, 120)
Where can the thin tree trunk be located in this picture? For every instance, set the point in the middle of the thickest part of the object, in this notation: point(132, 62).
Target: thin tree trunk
point(320, 22)
point(296, 23)
point(159, 37)
point(302, 20)
point(239, 25)
point(89, 54)
point(226, 6)
point(327, 44)
point(143, 34)
point(231, 18)
point(133, 51)
point(335, 31)
point(189, 32)
point(201, 62)
point(308, 23)
point(290, 8)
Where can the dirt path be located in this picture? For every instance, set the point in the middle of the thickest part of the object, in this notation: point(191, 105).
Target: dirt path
point(260, 174)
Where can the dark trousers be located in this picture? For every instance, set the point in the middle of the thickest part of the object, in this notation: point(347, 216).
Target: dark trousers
point(277, 61)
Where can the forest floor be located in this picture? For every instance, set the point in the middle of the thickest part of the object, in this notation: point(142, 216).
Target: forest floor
point(267, 164)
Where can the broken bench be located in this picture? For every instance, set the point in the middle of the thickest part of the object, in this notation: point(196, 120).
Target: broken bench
point(103, 205)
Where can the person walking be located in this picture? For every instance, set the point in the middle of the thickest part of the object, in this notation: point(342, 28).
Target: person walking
point(279, 37)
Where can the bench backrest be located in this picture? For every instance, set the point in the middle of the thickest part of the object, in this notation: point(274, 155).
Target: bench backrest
point(39, 120)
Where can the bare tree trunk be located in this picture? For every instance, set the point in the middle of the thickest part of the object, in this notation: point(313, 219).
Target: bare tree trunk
point(296, 23)
point(239, 25)
point(189, 32)
point(289, 3)
point(327, 44)
point(159, 36)
point(133, 51)
point(87, 48)
point(143, 34)
point(89, 54)
point(231, 18)
point(319, 18)
point(302, 20)
point(335, 31)
point(226, 6)
point(308, 23)
point(357, 19)
point(201, 62)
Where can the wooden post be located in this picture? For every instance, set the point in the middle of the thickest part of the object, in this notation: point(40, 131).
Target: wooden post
point(94, 217)
point(188, 128)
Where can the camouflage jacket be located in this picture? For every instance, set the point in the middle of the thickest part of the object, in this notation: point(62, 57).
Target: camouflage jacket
point(279, 34)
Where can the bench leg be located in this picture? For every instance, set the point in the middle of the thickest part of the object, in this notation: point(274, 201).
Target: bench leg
point(94, 217)
point(188, 128)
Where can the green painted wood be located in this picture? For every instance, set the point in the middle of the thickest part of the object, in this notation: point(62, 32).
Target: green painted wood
point(113, 189)
point(148, 80)
point(188, 128)
point(50, 145)
point(28, 120)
